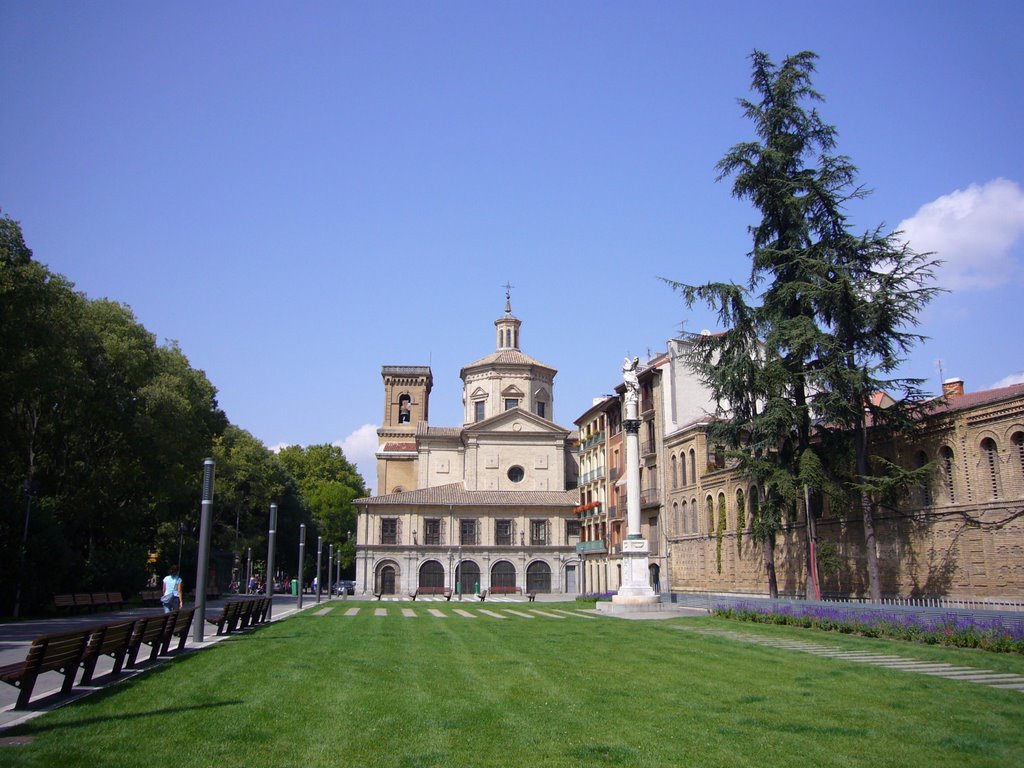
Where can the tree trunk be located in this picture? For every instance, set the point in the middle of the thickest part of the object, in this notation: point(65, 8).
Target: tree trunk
point(812, 548)
point(867, 507)
point(769, 566)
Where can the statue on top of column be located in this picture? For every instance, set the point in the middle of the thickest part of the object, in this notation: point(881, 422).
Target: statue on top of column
point(629, 368)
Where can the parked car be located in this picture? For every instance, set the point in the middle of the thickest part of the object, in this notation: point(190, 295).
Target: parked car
point(345, 586)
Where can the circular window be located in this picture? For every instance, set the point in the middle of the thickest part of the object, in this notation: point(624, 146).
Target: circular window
point(516, 474)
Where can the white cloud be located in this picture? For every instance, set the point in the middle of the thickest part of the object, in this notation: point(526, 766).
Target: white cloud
point(280, 447)
point(360, 448)
point(973, 231)
point(1013, 378)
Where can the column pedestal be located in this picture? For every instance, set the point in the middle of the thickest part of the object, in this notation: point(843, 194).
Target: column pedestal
point(636, 586)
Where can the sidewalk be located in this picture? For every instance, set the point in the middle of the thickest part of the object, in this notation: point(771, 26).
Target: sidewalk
point(16, 637)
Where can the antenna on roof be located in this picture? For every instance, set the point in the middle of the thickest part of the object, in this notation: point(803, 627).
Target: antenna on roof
point(942, 374)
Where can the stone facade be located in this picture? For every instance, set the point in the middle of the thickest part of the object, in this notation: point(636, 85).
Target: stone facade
point(489, 505)
point(960, 536)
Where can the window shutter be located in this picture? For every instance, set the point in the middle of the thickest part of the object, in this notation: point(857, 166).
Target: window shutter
point(398, 530)
point(440, 530)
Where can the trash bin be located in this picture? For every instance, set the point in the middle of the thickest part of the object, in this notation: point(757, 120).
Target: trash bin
point(295, 587)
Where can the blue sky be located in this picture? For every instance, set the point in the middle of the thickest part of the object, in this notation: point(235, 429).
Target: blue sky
point(301, 193)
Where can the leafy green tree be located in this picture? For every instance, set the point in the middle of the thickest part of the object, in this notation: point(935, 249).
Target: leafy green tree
point(329, 483)
point(818, 326)
point(107, 428)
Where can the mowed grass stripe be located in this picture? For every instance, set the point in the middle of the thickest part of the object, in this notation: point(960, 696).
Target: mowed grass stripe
point(359, 691)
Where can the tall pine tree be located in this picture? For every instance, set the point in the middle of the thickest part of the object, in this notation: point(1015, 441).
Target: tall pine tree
point(820, 323)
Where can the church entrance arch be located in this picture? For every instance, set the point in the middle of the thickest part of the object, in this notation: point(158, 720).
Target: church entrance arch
point(431, 578)
point(538, 577)
point(467, 578)
point(503, 577)
point(385, 580)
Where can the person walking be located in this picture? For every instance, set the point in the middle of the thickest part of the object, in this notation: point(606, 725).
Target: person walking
point(172, 599)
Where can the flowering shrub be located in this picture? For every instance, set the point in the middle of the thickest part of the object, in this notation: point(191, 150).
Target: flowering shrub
point(948, 629)
point(595, 596)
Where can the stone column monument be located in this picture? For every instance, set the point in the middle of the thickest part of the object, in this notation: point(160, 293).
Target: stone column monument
point(635, 588)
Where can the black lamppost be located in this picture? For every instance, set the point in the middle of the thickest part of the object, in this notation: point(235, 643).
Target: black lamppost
point(30, 489)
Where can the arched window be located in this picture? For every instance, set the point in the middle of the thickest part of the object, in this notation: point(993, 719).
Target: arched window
point(723, 513)
point(741, 511)
point(403, 409)
point(686, 518)
point(709, 509)
point(1018, 448)
point(503, 577)
point(682, 469)
point(755, 506)
point(538, 577)
point(693, 466)
point(694, 513)
point(467, 578)
point(946, 455)
point(921, 460)
point(675, 473)
point(990, 456)
point(676, 521)
point(431, 578)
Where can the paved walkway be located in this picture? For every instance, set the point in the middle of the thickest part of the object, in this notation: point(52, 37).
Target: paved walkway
point(987, 677)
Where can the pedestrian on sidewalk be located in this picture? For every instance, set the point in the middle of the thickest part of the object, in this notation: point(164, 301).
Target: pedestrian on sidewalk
point(171, 599)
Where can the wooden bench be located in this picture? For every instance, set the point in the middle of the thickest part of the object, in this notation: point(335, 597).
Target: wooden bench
point(482, 596)
point(150, 595)
point(83, 600)
point(178, 628)
point(531, 596)
point(107, 640)
point(149, 630)
point(226, 617)
point(64, 601)
point(112, 600)
point(50, 653)
point(259, 611)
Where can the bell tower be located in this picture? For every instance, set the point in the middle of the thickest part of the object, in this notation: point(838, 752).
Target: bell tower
point(406, 406)
point(406, 395)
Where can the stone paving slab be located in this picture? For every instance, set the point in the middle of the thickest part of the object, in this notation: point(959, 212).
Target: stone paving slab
point(574, 614)
point(380, 612)
point(546, 614)
point(409, 613)
point(520, 614)
point(437, 613)
point(323, 611)
point(352, 612)
point(1010, 681)
point(492, 614)
point(465, 614)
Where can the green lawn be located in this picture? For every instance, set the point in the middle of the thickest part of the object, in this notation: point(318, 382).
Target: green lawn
point(371, 691)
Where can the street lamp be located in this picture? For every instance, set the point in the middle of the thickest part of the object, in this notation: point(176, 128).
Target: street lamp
point(30, 489)
point(302, 556)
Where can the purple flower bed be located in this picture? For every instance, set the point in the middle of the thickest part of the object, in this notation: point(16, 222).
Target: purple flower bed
point(949, 629)
point(596, 596)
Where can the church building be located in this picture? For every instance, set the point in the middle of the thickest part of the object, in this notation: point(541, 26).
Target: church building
point(488, 505)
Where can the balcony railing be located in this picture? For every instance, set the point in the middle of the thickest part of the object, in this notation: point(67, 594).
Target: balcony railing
point(594, 440)
point(591, 548)
point(650, 496)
